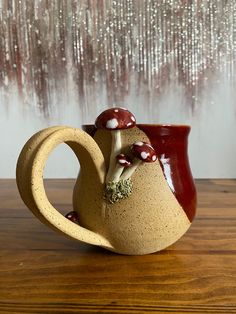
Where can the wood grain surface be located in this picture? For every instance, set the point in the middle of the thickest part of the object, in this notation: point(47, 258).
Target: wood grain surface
point(44, 272)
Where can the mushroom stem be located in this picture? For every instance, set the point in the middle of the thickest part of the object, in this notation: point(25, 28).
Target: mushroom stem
point(115, 150)
point(129, 171)
point(117, 173)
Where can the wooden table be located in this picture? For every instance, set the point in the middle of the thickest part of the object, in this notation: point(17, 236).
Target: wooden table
point(44, 272)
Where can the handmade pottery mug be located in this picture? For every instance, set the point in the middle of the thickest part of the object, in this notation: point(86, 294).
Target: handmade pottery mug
point(161, 199)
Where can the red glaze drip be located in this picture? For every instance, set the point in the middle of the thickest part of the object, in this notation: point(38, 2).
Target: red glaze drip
point(171, 145)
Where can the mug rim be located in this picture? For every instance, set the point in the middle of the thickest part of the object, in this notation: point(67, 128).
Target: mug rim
point(161, 125)
point(166, 125)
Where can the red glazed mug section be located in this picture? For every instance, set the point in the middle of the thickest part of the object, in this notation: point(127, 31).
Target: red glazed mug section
point(171, 145)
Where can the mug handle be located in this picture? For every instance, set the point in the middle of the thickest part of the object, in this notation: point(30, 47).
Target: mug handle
point(29, 177)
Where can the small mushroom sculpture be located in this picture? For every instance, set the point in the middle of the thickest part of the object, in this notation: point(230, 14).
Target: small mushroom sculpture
point(118, 178)
point(143, 152)
point(115, 120)
point(72, 216)
point(122, 162)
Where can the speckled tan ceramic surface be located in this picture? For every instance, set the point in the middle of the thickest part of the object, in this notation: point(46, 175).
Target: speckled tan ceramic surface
point(149, 220)
point(29, 176)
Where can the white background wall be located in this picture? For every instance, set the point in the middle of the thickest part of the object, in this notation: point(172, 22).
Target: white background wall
point(212, 143)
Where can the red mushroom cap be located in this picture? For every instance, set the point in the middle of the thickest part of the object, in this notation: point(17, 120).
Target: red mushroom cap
point(123, 160)
point(73, 216)
point(115, 119)
point(144, 151)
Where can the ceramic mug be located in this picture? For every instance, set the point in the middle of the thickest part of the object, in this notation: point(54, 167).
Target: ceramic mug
point(159, 210)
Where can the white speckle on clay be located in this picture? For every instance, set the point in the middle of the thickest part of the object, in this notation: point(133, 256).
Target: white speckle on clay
point(144, 155)
point(154, 158)
point(139, 143)
point(133, 118)
point(112, 124)
point(116, 110)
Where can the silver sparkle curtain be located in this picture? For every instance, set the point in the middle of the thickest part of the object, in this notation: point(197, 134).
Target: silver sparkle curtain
point(107, 50)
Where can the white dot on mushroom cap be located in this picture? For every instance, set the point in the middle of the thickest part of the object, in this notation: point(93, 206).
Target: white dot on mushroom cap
point(139, 143)
point(116, 110)
point(133, 118)
point(154, 158)
point(112, 124)
point(130, 123)
point(122, 161)
point(144, 155)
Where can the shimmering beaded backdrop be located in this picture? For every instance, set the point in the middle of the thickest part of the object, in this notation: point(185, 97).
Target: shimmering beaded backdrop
point(101, 52)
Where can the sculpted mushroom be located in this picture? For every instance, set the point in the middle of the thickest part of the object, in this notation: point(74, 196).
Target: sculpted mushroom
point(115, 120)
point(143, 152)
point(122, 162)
point(73, 216)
